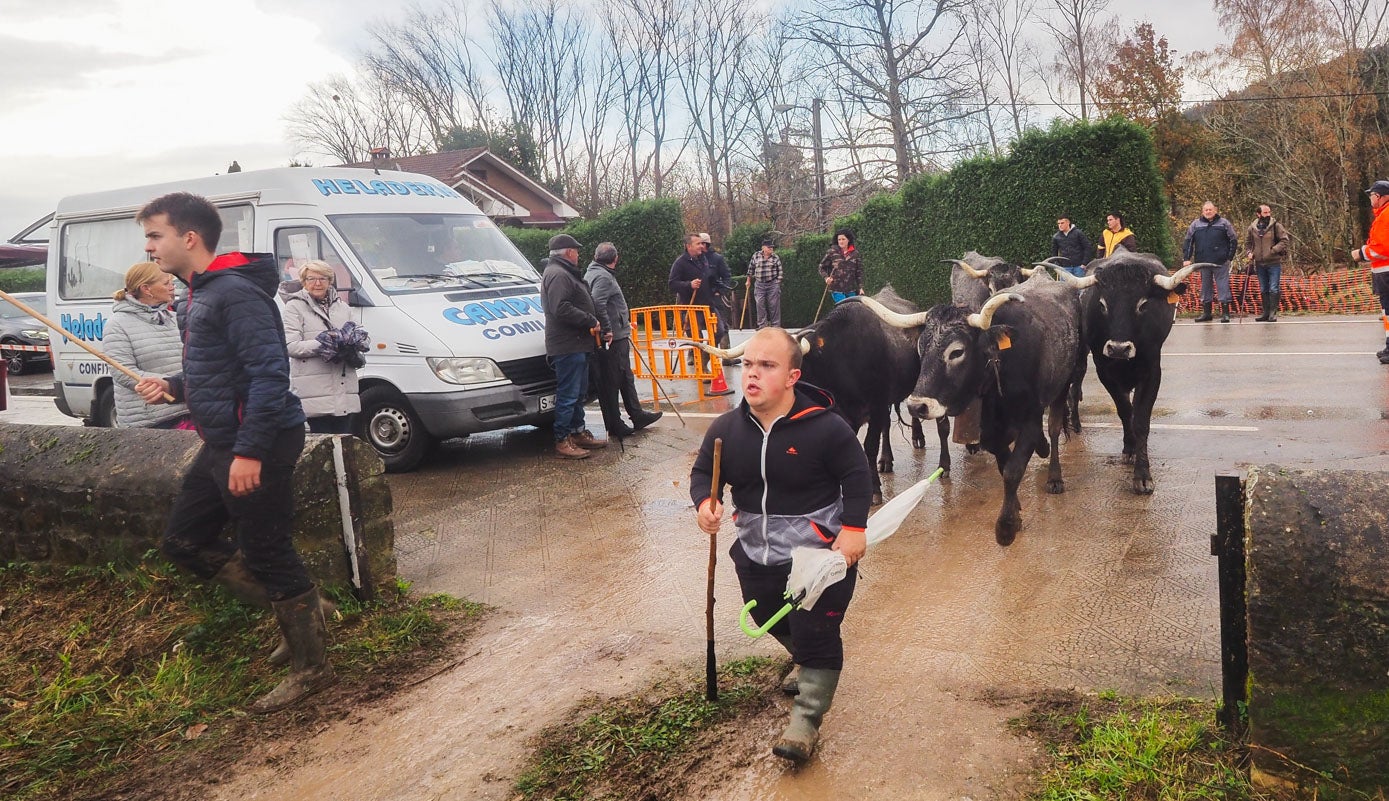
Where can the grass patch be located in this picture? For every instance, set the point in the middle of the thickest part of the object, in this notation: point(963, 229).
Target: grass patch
point(105, 674)
point(1106, 746)
point(612, 748)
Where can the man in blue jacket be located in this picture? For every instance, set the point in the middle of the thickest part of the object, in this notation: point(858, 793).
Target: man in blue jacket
point(1211, 239)
point(235, 381)
point(798, 477)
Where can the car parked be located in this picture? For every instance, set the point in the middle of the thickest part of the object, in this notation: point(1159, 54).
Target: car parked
point(18, 328)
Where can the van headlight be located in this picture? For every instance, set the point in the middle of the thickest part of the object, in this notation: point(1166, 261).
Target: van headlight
point(36, 333)
point(466, 371)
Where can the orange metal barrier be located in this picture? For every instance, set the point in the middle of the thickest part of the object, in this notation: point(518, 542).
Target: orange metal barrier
point(1332, 292)
point(656, 331)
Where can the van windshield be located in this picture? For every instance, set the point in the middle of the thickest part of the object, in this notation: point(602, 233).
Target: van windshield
point(418, 251)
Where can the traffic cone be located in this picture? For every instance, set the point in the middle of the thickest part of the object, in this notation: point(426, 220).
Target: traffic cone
point(719, 386)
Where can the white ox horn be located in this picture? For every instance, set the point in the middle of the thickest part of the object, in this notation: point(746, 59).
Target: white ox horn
point(1169, 282)
point(805, 345)
point(964, 265)
point(1078, 283)
point(892, 318)
point(985, 316)
point(731, 353)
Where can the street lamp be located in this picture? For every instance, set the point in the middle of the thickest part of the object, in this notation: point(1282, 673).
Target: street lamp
point(818, 144)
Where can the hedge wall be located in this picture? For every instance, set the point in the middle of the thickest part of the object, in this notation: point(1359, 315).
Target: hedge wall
point(1003, 207)
point(22, 279)
point(649, 235)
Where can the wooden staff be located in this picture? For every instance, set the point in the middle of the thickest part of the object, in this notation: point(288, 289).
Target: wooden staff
point(711, 668)
point(24, 307)
point(823, 295)
point(747, 293)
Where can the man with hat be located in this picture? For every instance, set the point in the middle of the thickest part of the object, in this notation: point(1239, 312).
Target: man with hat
point(571, 330)
point(1376, 253)
point(765, 274)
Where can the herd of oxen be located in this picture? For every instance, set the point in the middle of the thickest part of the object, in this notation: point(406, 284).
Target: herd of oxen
point(1011, 344)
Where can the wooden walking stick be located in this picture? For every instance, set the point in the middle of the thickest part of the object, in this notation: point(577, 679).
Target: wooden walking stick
point(24, 307)
point(823, 295)
point(742, 318)
point(711, 668)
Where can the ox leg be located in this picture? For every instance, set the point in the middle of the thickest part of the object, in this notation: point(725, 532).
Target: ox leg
point(919, 436)
point(1075, 393)
point(1144, 396)
point(885, 461)
point(872, 440)
point(1056, 421)
point(1013, 464)
point(943, 429)
point(1123, 406)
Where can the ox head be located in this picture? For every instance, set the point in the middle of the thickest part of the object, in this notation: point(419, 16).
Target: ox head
point(996, 274)
point(956, 347)
point(1132, 305)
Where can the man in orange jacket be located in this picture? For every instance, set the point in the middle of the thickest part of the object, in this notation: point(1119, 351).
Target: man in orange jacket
point(1376, 252)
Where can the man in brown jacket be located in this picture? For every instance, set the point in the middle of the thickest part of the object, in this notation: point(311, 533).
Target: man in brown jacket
point(1266, 245)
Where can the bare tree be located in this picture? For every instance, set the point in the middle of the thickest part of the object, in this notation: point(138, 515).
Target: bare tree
point(1081, 38)
point(343, 120)
point(899, 53)
point(428, 59)
point(597, 95)
point(1001, 24)
point(645, 37)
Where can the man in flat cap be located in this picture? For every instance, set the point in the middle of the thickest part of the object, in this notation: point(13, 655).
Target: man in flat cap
point(571, 330)
point(1376, 253)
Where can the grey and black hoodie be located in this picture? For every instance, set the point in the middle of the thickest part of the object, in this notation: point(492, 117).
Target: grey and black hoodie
point(797, 484)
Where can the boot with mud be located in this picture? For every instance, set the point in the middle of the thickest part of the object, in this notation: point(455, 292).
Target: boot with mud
point(566, 449)
point(237, 579)
point(790, 683)
point(301, 622)
point(1273, 307)
point(817, 687)
point(1225, 312)
point(1205, 315)
point(1383, 355)
point(585, 439)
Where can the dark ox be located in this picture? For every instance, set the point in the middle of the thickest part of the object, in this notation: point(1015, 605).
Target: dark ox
point(1018, 355)
point(1129, 304)
point(974, 278)
point(869, 367)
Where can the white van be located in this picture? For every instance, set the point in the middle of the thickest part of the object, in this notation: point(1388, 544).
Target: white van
point(452, 307)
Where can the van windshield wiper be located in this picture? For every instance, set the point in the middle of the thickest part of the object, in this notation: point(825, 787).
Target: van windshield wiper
point(435, 277)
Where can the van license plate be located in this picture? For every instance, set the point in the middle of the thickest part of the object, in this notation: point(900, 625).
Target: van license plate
point(547, 403)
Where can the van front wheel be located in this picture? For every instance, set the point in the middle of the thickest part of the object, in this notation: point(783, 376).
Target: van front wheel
point(393, 429)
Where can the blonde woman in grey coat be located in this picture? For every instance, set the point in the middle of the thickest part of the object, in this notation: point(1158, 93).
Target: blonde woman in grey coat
point(327, 389)
point(143, 335)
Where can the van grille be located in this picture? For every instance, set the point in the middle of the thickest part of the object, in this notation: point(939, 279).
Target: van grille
point(533, 376)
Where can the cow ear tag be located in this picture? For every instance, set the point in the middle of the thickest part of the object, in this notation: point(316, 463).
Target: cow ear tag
point(1004, 342)
point(1173, 298)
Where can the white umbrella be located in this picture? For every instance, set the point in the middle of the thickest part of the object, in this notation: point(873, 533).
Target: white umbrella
point(813, 570)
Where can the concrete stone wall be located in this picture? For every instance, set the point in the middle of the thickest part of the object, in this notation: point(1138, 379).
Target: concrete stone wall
point(1317, 558)
point(91, 496)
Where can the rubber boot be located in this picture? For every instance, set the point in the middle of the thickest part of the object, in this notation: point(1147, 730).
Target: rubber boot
point(301, 622)
point(1273, 307)
point(1225, 312)
point(790, 683)
point(237, 579)
point(1205, 314)
point(1383, 355)
point(1263, 313)
point(817, 688)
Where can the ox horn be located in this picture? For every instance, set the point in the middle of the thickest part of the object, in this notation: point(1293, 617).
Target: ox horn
point(892, 318)
point(731, 353)
point(1078, 283)
point(1169, 282)
point(985, 316)
point(964, 265)
point(805, 345)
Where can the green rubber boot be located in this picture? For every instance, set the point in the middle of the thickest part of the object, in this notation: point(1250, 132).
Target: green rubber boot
point(790, 682)
point(236, 578)
point(817, 688)
point(302, 624)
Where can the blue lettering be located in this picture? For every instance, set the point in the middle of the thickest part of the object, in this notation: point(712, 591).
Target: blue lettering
point(453, 315)
point(477, 313)
point(326, 187)
point(490, 334)
point(82, 328)
point(380, 187)
point(398, 187)
point(519, 307)
point(417, 188)
point(346, 186)
point(366, 190)
point(498, 308)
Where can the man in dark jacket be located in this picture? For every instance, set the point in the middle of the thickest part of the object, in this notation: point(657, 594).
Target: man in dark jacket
point(722, 280)
point(616, 359)
point(1265, 246)
point(571, 330)
point(798, 479)
point(235, 381)
point(690, 281)
point(1211, 239)
point(1071, 247)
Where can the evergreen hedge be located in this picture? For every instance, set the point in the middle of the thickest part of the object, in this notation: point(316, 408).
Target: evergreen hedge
point(23, 279)
point(649, 235)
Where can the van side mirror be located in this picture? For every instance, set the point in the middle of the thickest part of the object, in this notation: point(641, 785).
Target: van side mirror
point(356, 298)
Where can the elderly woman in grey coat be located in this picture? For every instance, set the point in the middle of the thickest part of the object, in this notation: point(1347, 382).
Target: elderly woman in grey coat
point(328, 389)
point(143, 335)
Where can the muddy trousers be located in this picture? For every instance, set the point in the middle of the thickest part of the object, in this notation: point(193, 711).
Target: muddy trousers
point(814, 634)
point(194, 538)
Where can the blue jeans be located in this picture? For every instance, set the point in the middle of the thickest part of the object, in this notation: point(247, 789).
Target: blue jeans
point(840, 297)
point(1269, 278)
point(571, 385)
point(1078, 272)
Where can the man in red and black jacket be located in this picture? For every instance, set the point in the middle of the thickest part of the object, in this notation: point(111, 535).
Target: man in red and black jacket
point(1376, 253)
point(235, 381)
point(798, 477)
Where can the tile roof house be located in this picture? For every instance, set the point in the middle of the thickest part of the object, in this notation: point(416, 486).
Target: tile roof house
point(503, 192)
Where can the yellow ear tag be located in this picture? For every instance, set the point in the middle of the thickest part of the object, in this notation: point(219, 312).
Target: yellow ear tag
point(1004, 343)
point(1173, 298)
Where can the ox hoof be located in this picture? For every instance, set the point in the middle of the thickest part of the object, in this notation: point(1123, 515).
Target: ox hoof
point(919, 444)
point(1143, 486)
point(1005, 533)
point(885, 467)
point(1056, 487)
point(1127, 458)
point(877, 499)
point(972, 448)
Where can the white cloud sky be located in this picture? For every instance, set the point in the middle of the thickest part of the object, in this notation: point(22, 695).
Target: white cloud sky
point(100, 94)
